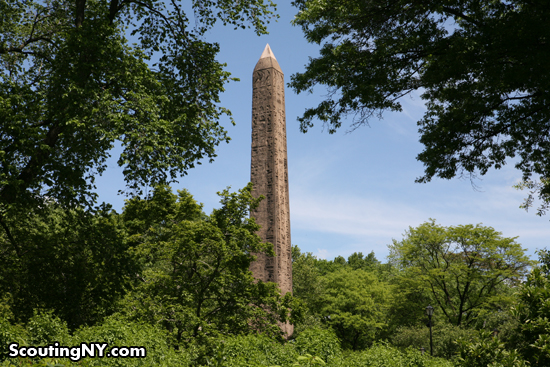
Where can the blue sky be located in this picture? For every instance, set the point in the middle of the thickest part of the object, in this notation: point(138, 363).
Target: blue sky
point(349, 192)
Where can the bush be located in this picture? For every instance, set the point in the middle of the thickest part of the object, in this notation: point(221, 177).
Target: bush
point(10, 334)
point(44, 329)
point(41, 329)
point(487, 351)
point(380, 355)
point(252, 351)
point(322, 343)
point(444, 339)
point(118, 332)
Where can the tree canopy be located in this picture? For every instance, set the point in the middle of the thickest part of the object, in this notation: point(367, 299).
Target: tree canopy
point(195, 276)
point(68, 260)
point(462, 267)
point(354, 303)
point(481, 66)
point(533, 312)
point(71, 85)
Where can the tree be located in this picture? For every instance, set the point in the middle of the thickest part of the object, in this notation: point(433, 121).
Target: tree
point(357, 261)
point(196, 281)
point(533, 313)
point(354, 303)
point(462, 267)
point(480, 66)
point(74, 262)
point(535, 190)
point(485, 350)
point(306, 277)
point(71, 86)
point(308, 272)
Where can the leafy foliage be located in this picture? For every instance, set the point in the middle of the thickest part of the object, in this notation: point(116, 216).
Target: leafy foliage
point(46, 328)
point(253, 350)
point(71, 261)
point(382, 355)
point(487, 351)
point(535, 190)
point(354, 303)
point(196, 281)
point(71, 87)
point(463, 267)
point(533, 312)
point(318, 342)
point(444, 338)
point(480, 66)
point(43, 329)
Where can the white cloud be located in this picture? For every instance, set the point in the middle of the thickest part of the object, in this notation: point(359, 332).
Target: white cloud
point(351, 215)
point(321, 253)
point(365, 224)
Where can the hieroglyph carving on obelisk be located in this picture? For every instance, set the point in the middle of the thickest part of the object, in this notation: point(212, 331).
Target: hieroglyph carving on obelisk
point(269, 172)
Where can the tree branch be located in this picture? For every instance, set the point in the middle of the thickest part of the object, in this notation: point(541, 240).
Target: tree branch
point(79, 16)
point(446, 9)
point(10, 237)
point(9, 192)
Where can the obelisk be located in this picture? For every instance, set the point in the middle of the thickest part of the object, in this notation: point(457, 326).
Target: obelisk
point(269, 173)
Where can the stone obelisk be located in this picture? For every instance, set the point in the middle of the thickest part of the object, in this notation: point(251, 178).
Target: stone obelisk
point(269, 173)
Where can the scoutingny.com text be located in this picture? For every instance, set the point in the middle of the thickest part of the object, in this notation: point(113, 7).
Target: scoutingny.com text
point(76, 353)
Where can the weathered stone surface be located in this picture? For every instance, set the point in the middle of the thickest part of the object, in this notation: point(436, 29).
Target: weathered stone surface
point(269, 172)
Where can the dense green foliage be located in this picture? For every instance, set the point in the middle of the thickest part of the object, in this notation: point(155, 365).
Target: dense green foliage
point(43, 329)
point(354, 303)
point(533, 312)
point(188, 295)
point(465, 268)
point(232, 351)
point(195, 280)
point(167, 276)
point(68, 260)
point(485, 350)
point(162, 263)
point(476, 268)
point(479, 64)
point(72, 87)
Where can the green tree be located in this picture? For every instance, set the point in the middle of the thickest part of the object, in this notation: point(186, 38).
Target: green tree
point(479, 64)
point(358, 261)
point(487, 351)
point(354, 303)
point(196, 281)
point(464, 268)
point(71, 86)
point(533, 313)
point(306, 276)
point(71, 261)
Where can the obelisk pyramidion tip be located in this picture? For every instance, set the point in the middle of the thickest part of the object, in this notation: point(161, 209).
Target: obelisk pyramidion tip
point(268, 60)
point(267, 53)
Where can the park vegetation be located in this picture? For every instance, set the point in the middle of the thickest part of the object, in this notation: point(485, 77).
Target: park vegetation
point(165, 275)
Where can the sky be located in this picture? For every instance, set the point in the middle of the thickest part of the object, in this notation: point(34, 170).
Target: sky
point(349, 191)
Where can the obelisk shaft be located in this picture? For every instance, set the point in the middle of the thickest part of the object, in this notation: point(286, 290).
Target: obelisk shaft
point(269, 172)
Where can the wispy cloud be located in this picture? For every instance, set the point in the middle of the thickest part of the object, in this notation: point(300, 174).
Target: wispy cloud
point(321, 253)
point(378, 220)
point(351, 215)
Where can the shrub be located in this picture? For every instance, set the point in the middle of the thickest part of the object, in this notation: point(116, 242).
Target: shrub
point(45, 328)
point(487, 351)
point(444, 339)
point(117, 332)
point(10, 334)
point(380, 355)
point(252, 351)
point(322, 343)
